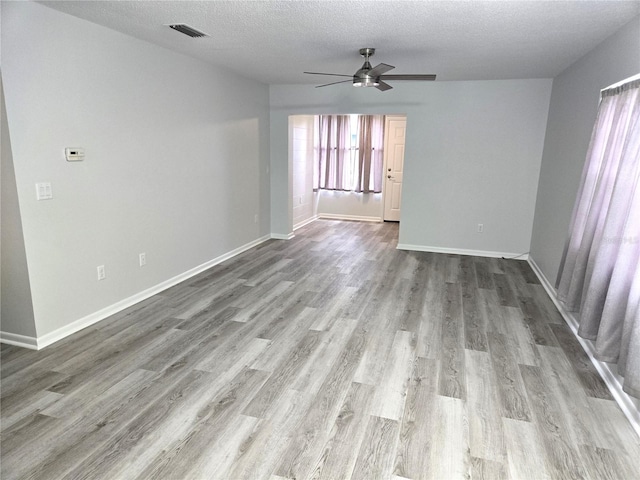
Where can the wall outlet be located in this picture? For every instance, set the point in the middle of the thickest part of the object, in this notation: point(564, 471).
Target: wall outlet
point(255, 218)
point(480, 227)
point(101, 274)
point(142, 259)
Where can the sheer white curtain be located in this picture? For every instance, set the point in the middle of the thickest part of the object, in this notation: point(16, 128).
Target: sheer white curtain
point(599, 275)
point(370, 153)
point(333, 152)
point(348, 156)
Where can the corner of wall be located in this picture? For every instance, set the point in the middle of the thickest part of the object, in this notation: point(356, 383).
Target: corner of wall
point(17, 320)
point(572, 113)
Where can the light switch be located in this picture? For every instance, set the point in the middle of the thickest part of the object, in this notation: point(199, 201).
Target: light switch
point(43, 191)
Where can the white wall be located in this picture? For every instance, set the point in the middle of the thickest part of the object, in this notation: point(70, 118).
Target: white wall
point(177, 156)
point(574, 104)
point(472, 156)
point(301, 144)
point(350, 205)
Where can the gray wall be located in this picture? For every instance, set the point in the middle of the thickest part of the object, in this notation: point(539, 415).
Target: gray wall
point(177, 155)
point(473, 154)
point(350, 205)
point(574, 104)
point(301, 133)
point(16, 311)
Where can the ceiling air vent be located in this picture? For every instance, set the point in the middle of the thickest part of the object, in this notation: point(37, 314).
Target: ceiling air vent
point(187, 30)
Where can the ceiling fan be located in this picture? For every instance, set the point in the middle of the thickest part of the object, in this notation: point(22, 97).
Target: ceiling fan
point(372, 77)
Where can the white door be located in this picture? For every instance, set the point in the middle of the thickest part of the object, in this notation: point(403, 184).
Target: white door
point(394, 159)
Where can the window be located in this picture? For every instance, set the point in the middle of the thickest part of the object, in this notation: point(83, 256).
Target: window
point(349, 153)
point(599, 274)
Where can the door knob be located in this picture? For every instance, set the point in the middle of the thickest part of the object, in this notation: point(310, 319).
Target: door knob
point(389, 176)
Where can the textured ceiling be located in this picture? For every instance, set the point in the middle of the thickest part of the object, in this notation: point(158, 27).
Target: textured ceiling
point(275, 41)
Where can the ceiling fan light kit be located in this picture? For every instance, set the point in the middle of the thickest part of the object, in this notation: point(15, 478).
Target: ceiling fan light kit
point(365, 81)
point(372, 77)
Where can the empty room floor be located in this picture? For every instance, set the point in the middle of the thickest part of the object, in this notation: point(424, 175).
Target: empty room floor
point(331, 355)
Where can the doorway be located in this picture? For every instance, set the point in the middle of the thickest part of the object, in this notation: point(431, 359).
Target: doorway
point(306, 205)
point(395, 134)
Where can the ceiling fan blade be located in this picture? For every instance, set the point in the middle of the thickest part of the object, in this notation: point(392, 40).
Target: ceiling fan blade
point(332, 74)
point(380, 69)
point(408, 77)
point(334, 83)
point(383, 86)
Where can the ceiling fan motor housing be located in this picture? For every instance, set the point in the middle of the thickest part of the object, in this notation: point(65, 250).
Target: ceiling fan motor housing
point(362, 78)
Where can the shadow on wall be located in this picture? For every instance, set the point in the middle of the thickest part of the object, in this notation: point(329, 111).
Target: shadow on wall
point(17, 319)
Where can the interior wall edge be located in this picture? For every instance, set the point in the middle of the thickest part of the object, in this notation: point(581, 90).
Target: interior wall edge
point(16, 302)
point(626, 403)
point(282, 236)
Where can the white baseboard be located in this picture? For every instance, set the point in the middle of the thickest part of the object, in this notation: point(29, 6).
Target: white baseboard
point(611, 379)
point(462, 251)
point(19, 340)
point(84, 322)
point(305, 222)
point(357, 218)
point(282, 236)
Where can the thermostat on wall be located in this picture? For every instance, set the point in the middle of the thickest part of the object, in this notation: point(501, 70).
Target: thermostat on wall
point(74, 154)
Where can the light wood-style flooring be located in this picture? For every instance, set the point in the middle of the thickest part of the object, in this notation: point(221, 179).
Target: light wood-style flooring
point(332, 355)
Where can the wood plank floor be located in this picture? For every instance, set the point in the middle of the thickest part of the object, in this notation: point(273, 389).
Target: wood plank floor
point(332, 355)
